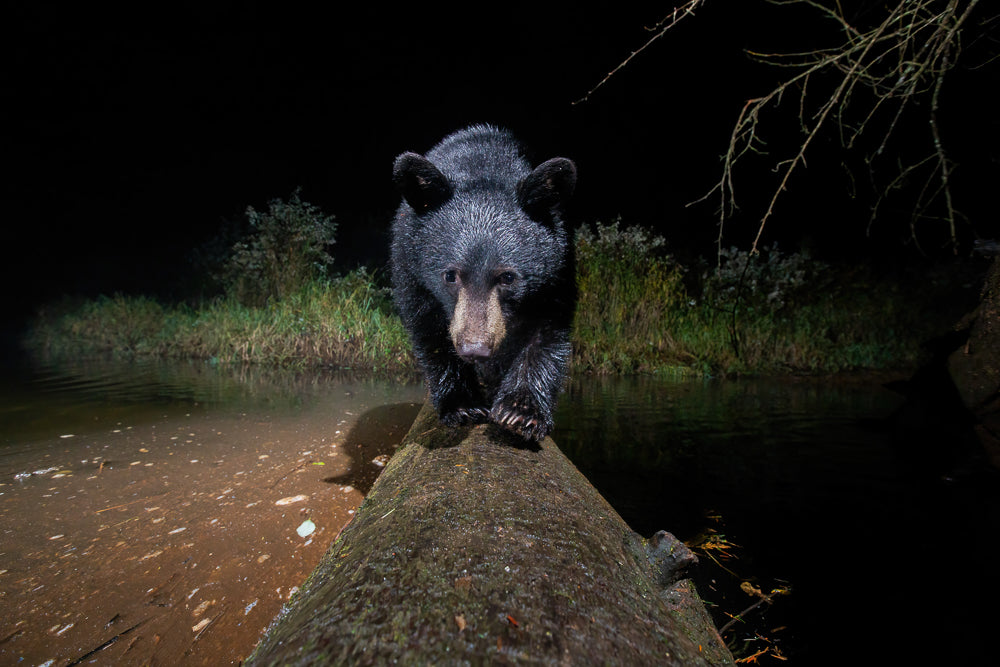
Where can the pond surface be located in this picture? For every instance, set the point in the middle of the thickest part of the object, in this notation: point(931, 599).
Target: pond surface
point(163, 513)
point(833, 487)
point(810, 481)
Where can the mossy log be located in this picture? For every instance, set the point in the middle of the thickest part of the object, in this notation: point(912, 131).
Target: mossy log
point(475, 547)
point(975, 367)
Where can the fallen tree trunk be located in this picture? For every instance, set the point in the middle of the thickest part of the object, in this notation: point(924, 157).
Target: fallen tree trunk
point(473, 547)
point(975, 367)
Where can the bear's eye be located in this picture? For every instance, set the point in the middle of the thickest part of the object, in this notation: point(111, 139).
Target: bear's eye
point(507, 278)
point(450, 276)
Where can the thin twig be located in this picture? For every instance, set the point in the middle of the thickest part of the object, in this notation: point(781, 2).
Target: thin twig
point(906, 55)
point(663, 26)
point(848, 80)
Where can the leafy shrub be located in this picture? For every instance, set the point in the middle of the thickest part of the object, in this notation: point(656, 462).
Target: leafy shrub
point(765, 283)
point(769, 313)
point(284, 251)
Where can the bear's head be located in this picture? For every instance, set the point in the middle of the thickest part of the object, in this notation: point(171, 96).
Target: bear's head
point(490, 246)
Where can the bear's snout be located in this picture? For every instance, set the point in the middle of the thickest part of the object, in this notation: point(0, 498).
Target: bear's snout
point(473, 350)
point(477, 325)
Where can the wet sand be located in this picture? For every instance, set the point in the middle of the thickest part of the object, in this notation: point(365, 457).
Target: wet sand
point(176, 540)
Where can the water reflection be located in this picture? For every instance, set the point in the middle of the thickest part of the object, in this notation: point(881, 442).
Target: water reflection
point(819, 492)
point(804, 475)
point(38, 400)
point(131, 495)
point(665, 451)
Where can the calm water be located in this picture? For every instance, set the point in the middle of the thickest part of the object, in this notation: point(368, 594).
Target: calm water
point(885, 558)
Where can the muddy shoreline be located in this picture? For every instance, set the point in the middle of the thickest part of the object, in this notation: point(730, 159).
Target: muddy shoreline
point(177, 539)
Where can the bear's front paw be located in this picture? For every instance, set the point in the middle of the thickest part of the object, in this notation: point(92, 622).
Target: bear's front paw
point(523, 417)
point(464, 416)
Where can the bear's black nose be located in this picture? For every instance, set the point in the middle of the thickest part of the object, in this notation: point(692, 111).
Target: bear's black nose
point(473, 350)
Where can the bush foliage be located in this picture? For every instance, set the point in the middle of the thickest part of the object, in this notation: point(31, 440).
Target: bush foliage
point(640, 310)
point(285, 250)
point(766, 312)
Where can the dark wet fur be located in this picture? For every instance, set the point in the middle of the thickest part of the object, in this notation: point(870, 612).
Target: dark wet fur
point(476, 220)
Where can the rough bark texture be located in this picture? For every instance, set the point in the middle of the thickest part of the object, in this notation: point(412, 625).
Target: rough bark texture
point(474, 548)
point(975, 367)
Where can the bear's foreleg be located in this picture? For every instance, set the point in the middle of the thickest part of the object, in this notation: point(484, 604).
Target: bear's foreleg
point(526, 398)
point(454, 387)
point(455, 392)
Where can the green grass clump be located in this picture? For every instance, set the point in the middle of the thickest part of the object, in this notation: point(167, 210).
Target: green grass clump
point(347, 322)
point(344, 322)
point(773, 312)
point(639, 311)
point(631, 296)
point(128, 325)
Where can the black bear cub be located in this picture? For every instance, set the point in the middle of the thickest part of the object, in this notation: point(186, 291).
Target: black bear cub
point(483, 277)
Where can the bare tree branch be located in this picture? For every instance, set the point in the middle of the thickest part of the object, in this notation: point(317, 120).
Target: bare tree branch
point(906, 55)
point(668, 22)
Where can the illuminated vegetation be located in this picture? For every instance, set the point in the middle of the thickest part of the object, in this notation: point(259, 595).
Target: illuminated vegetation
point(640, 310)
point(344, 322)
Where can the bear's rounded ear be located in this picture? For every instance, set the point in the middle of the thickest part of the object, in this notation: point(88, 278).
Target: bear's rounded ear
point(422, 185)
point(544, 192)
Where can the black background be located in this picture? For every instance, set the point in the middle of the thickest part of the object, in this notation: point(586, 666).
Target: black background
point(132, 133)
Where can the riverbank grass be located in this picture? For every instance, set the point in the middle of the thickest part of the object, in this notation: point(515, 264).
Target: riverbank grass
point(640, 311)
point(346, 322)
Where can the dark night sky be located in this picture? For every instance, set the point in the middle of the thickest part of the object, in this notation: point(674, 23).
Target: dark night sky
point(132, 136)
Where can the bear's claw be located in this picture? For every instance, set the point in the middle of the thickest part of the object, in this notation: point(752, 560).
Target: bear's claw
point(465, 416)
point(520, 419)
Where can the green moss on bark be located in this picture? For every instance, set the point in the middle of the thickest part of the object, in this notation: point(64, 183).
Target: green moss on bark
point(474, 547)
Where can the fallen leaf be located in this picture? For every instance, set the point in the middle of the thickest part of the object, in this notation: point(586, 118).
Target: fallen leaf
point(288, 500)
